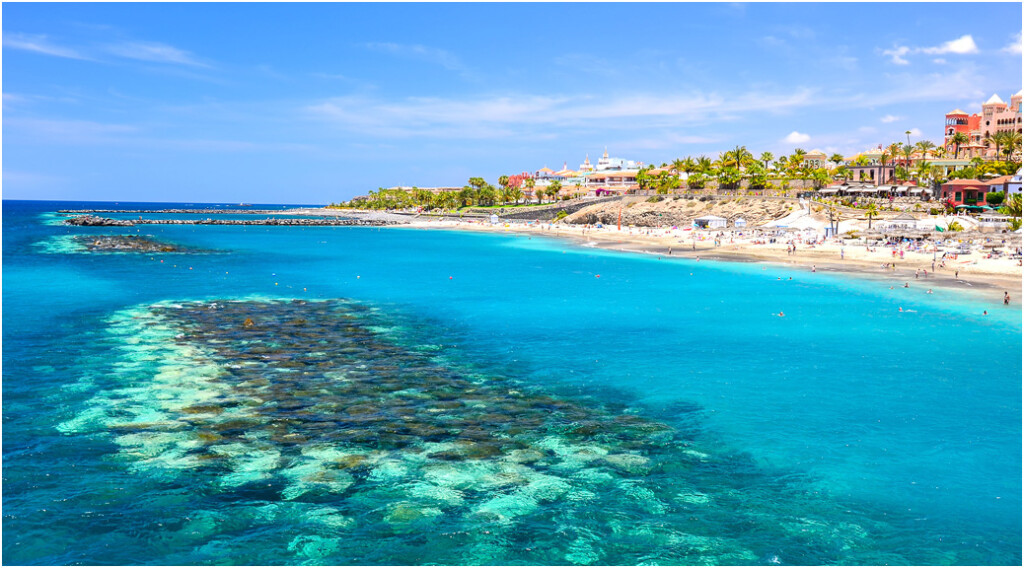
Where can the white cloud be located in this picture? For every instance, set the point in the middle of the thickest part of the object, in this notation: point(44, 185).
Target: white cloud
point(939, 61)
point(897, 54)
point(433, 55)
point(501, 115)
point(889, 118)
point(39, 44)
point(962, 45)
point(796, 138)
point(154, 52)
point(1015, 45)
point(915, 132)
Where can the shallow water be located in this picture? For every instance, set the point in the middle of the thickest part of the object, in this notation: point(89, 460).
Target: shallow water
point(440, 397)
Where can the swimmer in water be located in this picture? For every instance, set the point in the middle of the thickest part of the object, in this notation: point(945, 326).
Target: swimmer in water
point(901, 308)
point(781, 315)
point(906, 284)
point(984, 313)
point(929, 291)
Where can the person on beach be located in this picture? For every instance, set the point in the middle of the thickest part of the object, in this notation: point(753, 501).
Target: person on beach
point(956, 274)
point(1006, 298)
point(917, 273)
point(814, 268)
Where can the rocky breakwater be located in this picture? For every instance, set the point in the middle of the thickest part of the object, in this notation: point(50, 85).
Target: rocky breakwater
point(93, 221)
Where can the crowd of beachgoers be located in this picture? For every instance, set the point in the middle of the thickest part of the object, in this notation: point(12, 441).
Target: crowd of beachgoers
point(956, 259)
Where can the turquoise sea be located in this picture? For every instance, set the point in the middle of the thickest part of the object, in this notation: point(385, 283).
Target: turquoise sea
point(349, 395)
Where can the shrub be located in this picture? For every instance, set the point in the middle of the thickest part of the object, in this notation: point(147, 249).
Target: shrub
point(994, 197)
point(654, 199)
point(561, 215)
point(934, 211)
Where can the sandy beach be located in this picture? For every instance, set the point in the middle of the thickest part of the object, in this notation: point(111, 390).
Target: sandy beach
point(992, 276)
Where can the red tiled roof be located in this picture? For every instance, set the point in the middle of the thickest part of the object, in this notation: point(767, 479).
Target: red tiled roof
point(964, 182)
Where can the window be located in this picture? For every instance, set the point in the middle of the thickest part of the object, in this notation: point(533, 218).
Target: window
point(957, 198)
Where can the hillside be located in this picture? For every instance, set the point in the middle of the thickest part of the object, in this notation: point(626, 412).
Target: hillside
point(681, 211)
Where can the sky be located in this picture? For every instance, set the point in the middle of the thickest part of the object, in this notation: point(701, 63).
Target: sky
point(317, 103)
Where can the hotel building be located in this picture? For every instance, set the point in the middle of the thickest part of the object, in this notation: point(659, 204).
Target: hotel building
point(996, 116)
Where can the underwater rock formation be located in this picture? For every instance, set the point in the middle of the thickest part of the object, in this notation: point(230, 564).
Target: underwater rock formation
point(382, 455)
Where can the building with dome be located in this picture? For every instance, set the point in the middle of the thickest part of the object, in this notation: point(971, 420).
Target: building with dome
point(995, 116)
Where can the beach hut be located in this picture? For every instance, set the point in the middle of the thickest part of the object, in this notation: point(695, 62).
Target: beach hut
point(901, 222)
point(710, 222)
point(494, 219)
point(740, 223)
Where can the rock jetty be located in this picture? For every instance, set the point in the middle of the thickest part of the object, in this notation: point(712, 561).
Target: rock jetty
point(93, 221)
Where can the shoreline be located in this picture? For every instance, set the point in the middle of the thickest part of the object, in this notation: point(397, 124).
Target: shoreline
point(818, 259)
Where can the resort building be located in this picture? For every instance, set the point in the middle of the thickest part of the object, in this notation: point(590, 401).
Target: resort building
point(867, 167)
point(616, 164)
point(1014, 185)
point(996, 116)
point(964, 192)
point(815, 159)
point(611, 182)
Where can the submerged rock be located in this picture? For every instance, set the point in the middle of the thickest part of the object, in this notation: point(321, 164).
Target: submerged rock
point(313, 407)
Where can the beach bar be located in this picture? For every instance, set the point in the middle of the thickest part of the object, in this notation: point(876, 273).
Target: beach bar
point(710, 222)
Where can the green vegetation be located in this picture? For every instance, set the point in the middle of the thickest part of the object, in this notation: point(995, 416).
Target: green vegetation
point(994, 198)
point(732, 170)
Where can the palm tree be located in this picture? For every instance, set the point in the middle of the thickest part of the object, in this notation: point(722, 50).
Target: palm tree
point(836, 158)
point(516, 194)
point(922, 170)
point(530, 183)
point(797, 159)
point(766, 158)
point(995, 138)
point(958, 139)
point(924, 147)
point(553, 188)
point(704, 165)
point(737, 157)
point(871, 213)
point(729, 177)
point(643, 179)
point(1011, 143)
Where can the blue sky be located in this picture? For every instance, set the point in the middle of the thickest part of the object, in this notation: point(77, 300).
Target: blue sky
point(317, 103)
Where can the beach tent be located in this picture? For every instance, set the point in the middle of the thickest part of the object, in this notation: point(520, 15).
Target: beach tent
point(710, 222)
point(903, 221)
point(740, 223)
point(494, 219)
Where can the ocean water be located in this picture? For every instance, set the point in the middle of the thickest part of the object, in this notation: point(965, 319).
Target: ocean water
point(349, 395)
